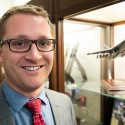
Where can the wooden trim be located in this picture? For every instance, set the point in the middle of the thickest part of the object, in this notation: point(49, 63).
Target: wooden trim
point(60, 58)
point(84, 6)
point(57, 75)
point(90, 21)
point(119, 23)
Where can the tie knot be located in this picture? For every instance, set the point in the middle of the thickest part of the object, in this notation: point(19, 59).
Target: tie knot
point(34, 106)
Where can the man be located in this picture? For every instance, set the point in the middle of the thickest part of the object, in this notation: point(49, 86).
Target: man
point(26, 53)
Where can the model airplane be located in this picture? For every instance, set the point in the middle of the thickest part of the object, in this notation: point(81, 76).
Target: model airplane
point(118, 50)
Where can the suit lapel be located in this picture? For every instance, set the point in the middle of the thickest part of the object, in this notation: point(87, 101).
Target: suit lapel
point(56, 109)
point(5, 114)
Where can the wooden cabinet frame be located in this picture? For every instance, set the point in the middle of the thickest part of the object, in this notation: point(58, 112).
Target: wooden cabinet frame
point(65, 9)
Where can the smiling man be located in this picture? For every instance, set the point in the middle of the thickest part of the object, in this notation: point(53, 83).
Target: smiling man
point(26, 53)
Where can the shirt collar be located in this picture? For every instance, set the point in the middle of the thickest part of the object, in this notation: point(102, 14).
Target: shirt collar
point(17, 100)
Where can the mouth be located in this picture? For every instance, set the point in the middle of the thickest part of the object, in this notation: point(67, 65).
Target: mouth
point(32, 68)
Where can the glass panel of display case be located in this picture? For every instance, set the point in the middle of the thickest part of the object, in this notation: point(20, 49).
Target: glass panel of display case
point(96, 86)
point(80, 69)
point(77, 43)
point(119, 67)
point(82, 72)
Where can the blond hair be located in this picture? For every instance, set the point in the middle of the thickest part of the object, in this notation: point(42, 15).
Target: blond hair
point(26, 9)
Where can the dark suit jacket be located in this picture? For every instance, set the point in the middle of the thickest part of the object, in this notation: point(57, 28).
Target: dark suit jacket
point(60, 103)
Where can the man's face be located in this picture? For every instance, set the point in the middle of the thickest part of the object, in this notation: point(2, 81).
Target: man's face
point(26, 72)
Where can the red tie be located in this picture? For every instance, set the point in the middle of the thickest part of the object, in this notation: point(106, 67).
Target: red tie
point(35, 106)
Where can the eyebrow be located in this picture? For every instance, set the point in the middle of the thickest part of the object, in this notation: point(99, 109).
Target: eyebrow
point(26, 37)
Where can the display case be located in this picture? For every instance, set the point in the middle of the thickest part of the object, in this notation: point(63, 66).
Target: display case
point(87, 76)
point(95, 105)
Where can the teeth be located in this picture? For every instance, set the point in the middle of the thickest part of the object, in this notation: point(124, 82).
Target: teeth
point(31, 68)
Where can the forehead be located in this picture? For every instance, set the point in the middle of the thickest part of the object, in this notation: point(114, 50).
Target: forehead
point(26, 20)
point(27, 24)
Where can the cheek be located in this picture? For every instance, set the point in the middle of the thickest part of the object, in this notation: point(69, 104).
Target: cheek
point(49, 58)
point(5, 54)
point(9, 59)
point(4, 57)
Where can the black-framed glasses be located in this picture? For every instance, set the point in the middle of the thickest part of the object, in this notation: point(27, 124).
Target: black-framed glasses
point(24, 45)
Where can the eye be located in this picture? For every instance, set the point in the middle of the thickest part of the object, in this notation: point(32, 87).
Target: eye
point(44, 43)
point(17, 43)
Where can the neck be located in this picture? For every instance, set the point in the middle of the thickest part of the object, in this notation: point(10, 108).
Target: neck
point(30, 93)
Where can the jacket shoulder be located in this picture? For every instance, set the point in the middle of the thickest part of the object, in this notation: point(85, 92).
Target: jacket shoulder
point(56, 94)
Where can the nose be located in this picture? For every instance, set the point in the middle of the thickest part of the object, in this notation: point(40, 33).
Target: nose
point(33, 53)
